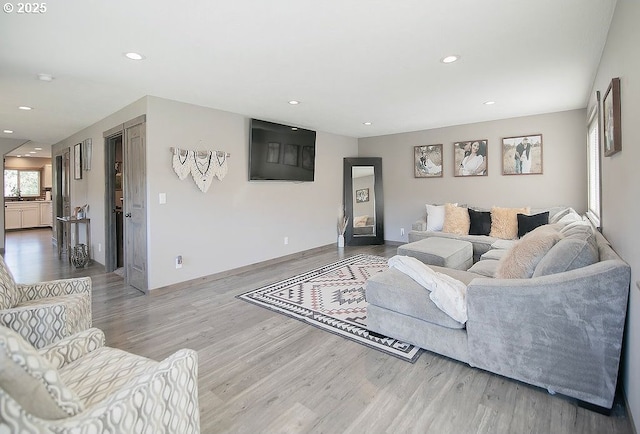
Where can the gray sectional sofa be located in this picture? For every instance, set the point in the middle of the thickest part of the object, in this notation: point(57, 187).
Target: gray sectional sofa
point(560, 329)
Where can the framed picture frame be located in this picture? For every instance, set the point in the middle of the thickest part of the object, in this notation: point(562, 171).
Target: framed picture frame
point(77, 161)
point(470, 158)
point(362, 195)
point(611, 121)
point(290, 155)
point(273, 152)
point(522, 155)
point(86, 154)
point(427, 161)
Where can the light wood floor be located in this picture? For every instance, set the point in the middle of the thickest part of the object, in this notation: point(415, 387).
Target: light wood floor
point(262, 372)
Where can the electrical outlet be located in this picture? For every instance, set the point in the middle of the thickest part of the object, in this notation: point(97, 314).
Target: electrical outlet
point(401, 231)
point(99, 247)
point(286, 240)
point(179, 261)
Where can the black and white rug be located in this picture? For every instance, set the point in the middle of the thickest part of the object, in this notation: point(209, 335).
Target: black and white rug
point(333, 298)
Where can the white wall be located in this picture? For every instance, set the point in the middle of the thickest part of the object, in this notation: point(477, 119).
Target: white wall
point(621, 177)
point(236, 222)
point(563, 181)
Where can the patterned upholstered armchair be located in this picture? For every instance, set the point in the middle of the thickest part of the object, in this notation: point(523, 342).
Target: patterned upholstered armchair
point(77, 385)
point(44, 312)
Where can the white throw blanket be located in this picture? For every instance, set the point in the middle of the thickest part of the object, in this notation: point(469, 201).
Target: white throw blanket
point(449, 294)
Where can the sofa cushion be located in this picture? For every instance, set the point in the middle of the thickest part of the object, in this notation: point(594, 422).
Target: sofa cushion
point(391, 289)
point(504, 222)
point(479, 222)
point(567, 254)
point(456, 220)
point(520, 261)
point(495, 254)
point(485, 267)
point(555, 216)
point(32, 381)
point(527, 223)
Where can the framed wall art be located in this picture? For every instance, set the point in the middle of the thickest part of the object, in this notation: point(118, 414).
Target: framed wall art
point(470, 158)
point(522, 155)
point(77, 161)
point(427, 161)
point(611, 123)
point(362, 195)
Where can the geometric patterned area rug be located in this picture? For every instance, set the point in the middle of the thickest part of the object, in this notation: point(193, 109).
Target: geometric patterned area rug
point(333, 298)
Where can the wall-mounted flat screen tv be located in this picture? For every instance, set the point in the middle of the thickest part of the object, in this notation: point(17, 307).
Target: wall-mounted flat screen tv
point(281, 153)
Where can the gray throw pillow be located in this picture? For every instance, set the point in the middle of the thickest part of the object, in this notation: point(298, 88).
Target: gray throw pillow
point(567, 254)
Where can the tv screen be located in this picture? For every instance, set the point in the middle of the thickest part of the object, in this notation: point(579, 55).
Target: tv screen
point(281, 152)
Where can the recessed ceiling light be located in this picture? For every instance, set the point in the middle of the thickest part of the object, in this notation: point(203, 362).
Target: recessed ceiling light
point(134, 56)
point(449, 59)
point(294, 102)
point(294, 129)
point(27, 155)
point(32, 152)
point(366, 123)
point(38, 149)
point(8, 131)
point(45, 77)
point(19, 156)
point(489, 102)
point(25, 107)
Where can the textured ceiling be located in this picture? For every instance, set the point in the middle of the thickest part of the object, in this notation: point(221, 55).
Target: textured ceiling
point(348, 61)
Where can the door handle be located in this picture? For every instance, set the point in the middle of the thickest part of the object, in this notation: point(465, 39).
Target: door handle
point(128, 215)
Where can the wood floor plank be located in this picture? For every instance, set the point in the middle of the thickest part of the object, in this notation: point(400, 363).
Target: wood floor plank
point(261, 371)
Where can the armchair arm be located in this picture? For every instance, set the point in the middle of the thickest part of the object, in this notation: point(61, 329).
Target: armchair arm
point(35, 323)
point(163, 400)
point(54, 288)
point(73, 347)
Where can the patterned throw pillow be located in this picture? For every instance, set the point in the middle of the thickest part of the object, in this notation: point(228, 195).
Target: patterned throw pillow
point(31, 380)
point(504, 222)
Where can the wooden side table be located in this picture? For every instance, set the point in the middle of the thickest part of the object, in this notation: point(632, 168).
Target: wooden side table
point(67, 223)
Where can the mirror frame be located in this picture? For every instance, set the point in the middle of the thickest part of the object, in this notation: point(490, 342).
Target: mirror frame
point(362, 240)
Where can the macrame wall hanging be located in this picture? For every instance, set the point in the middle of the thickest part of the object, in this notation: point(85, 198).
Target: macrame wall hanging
point(202, 165)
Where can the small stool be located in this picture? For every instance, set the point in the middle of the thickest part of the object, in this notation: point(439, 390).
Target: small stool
point(444, 252)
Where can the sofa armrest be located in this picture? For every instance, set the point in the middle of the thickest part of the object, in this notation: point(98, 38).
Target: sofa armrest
point(419, 225)
point(36, 323)
point(562, 332)
point(73, 347)
point(54, 288)
point(165, 399)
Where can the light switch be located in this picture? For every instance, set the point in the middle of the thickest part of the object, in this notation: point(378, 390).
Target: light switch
point(162, 198)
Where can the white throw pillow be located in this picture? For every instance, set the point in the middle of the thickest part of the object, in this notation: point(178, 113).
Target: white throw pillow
point(435, 217)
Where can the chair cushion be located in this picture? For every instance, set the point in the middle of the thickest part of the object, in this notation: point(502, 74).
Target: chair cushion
point(32, 381)
point(77, 310)
point(102, 372)
point(8, 290)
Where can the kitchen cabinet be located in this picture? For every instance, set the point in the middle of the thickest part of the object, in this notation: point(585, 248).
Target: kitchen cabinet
point(47, 176)
point(46, 214)
point(20, 215)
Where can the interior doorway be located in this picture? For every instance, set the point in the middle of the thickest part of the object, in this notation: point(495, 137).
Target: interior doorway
point(114, 248)
point(61, 192)
point(125, 202)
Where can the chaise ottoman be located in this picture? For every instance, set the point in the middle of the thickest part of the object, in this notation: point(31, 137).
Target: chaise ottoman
point(444, 252)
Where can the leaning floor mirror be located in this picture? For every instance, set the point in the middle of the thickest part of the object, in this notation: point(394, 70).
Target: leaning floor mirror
point(363, 201)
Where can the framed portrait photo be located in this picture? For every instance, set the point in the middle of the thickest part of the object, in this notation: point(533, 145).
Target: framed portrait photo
point(290, 155)
point(273, 152)
point(522, 155)
point(77, 161)
point(470, 158)
point(611, 123)
point(427, 161)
